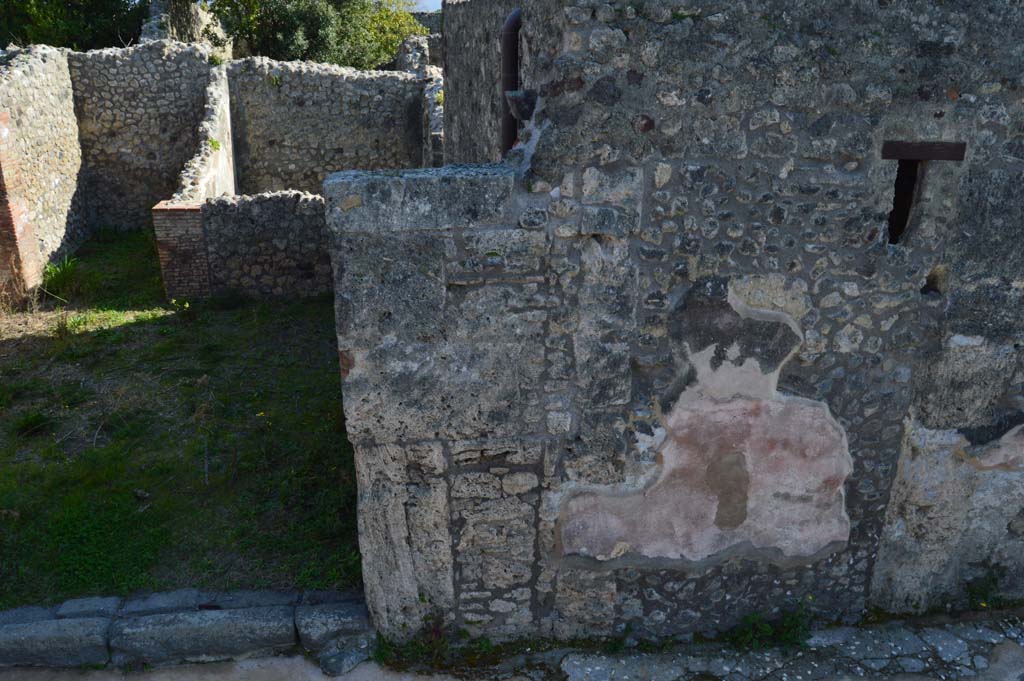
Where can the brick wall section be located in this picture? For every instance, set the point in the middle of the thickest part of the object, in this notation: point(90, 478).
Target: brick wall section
point(18, 267)
point(181, 245)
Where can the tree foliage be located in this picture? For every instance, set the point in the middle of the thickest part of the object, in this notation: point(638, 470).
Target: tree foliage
point(360, 33)
point(78, 24)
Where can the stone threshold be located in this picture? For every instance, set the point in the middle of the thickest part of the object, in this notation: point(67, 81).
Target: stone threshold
point(188, 625)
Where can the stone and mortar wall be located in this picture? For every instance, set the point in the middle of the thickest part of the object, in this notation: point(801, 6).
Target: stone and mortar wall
point(186, 21)
point(211, 172)
point(40, 164)
point(139, 111)
point(673, 383)
point(472, 54)
point(268, 245)
point(296, 122)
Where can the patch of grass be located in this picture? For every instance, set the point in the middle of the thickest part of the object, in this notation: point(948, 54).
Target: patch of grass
point(31, 424)
point(155, 448)
point(756, 632)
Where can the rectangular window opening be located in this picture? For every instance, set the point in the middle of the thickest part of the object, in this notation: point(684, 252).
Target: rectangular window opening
point(903, 201)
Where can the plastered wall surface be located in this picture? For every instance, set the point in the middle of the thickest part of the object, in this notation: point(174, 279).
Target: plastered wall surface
point(692, 246)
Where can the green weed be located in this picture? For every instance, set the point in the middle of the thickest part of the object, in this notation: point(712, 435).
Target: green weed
point(64, 278)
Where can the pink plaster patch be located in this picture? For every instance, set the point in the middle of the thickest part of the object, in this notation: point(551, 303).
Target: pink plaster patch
point(743, 470)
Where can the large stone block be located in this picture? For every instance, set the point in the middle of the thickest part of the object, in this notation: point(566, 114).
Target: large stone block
point(55, 643)
point(202, 636)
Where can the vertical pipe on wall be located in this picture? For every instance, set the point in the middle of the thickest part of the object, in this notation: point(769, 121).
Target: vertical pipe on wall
point(509, 77)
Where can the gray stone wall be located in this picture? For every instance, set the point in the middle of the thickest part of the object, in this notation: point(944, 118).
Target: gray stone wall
point(432, 21)
point(186, 21)
point(41, 158)
point(211, 172)
point(294, 123)
point(139, 111)
point(666, 375)
point(268, 245)
point(472, 52)
point(472, 62)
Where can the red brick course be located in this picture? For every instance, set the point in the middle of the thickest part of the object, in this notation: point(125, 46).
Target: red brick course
point(181, 246)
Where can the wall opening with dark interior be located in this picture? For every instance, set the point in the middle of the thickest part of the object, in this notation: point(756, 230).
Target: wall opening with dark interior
point(911, 157)
point(903, 201)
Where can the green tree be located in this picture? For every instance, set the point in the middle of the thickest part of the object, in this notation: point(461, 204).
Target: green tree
point(359, 33)
point(78, 24)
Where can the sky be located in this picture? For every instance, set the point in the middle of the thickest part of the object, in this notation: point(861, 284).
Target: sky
point(428, 5)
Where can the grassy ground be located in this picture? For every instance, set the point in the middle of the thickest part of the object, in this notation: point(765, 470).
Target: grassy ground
point(153, 446)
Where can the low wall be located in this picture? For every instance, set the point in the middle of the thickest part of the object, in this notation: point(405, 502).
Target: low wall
point(268, 245)
point(40, 164)
point(294, 123)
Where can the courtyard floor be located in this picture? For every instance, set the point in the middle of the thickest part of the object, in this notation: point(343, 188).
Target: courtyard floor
point(146, 445)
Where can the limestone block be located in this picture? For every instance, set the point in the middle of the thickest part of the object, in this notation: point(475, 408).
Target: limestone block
point(956, 516)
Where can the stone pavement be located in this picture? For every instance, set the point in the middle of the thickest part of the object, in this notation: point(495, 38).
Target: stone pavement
point(945, 648)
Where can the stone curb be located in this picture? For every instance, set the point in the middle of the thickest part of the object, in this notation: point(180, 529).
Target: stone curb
point(188, 625)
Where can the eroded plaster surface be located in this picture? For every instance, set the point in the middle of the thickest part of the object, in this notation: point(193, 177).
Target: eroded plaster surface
point(743, 468)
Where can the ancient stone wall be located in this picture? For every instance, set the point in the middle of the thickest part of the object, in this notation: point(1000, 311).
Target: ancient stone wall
point(139, 111)
point(211, 172)
point(268, 245)
point(40, 163)
point(294, 123)
point(662, 370)
point(472, 48)
point(432, 21)
point(186, 21)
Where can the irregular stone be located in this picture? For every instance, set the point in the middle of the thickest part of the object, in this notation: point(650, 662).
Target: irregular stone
point(26, 614)
point(947, 646)
point(89, 607)
point(204, 636)
point(253, 599)
point(55, 643)
point(318, 624)
point(168, 601)
point(344, 654)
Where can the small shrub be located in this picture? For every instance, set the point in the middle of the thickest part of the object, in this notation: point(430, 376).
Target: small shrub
point(214, 144)
point(439, 100)
point(63, 279)
point(216, 60)
point(755, 632)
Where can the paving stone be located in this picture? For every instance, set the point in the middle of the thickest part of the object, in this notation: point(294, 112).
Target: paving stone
point(55, 643)
point(318, 624)
point(168, 601)
point(89, 607)
point(253, 599)
point(201, 636)
point(314, 597)
point(912, 664)
point(344, 654)
point(947, 646)
point(26, 614)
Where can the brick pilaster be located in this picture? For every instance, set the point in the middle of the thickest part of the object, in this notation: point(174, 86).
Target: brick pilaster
point(20, 267)
point(181, 245)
